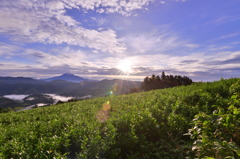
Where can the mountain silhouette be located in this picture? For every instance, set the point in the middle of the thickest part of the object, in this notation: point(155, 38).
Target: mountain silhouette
point(15, 80)
point(67, 77)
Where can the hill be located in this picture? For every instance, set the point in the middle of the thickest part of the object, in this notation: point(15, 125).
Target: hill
point(5, 103)
point(196, 121)
point(27, 101)
point(14, 80)
point(26, 88)
point(103, 88)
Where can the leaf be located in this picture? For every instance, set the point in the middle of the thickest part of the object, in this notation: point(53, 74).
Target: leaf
point(205, 122)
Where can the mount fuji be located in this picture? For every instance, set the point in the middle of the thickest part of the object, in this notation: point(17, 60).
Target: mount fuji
point(67, 77)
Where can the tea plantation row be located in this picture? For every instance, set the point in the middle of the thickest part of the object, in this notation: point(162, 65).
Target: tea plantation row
point(197, 121)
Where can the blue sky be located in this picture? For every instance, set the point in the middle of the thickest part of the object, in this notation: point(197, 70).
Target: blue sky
point(130, 39)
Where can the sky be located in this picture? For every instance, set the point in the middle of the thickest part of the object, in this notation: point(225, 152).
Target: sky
point(128, 39)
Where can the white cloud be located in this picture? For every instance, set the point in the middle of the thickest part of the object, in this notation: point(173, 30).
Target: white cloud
point(41, 22)
point(57, 57)
point(73, 58)
point(180, 0)
point(192, 45)
point(47, 22)
point(124, 7)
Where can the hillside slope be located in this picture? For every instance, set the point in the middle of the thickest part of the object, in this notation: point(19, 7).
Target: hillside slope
point(199, 120)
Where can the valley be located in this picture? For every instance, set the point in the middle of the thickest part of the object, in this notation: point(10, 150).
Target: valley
point(22, 86)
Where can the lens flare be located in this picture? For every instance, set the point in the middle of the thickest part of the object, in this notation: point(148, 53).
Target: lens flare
point(106, 106)
point(103, 114)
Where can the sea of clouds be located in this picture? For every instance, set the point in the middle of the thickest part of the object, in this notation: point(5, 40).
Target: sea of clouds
point(54, 96)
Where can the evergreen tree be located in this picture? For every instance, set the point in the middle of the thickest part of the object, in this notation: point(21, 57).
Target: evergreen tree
point(153, 76)
point(163, 75)
point(146, 79)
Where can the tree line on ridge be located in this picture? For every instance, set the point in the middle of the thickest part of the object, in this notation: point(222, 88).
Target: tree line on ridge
point(165, 81)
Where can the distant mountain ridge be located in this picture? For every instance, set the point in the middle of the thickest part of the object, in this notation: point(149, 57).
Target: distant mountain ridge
point(67, 77)
point(14, 80)
point(61, 85)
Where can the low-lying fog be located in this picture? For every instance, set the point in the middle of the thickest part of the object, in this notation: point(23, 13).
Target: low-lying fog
point(54, 96)
point(15, 97)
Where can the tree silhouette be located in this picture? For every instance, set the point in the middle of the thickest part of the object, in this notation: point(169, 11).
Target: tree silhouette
point(158, 78)
point(166, 81)
point(163, 75)
point(153, 76)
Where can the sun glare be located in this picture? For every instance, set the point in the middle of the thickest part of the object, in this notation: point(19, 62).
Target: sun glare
point(125, 66)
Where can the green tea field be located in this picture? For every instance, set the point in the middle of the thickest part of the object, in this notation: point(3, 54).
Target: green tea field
point(201, 120)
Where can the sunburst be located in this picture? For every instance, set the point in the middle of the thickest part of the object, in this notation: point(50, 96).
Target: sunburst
point(125, 66)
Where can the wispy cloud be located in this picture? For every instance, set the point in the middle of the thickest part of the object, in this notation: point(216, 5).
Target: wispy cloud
point(155, 42)
point(229, 36)
point(225, 19)
point(214, 48)
point(7, 49)
point(99, 21)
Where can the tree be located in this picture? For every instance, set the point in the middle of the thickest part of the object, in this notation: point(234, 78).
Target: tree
point(163, 75)
point(146, 79)
point(153, 76)
point(158, 78)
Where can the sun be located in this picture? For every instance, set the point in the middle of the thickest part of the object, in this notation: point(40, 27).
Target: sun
point(125, 66)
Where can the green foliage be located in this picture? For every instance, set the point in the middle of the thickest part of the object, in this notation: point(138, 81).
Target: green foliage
point(5, 110)
point(197, 121)
point(218, 134)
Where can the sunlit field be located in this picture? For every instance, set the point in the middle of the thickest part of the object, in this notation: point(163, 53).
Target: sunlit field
point(197, 121)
